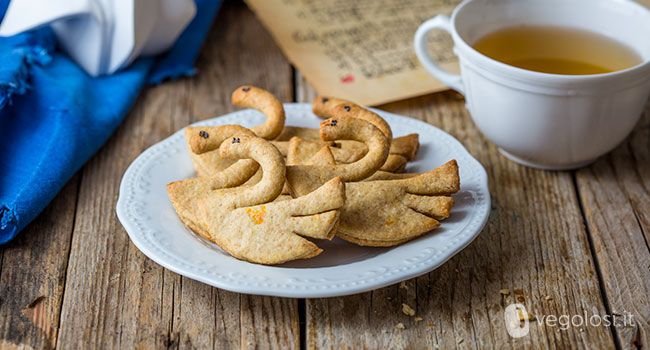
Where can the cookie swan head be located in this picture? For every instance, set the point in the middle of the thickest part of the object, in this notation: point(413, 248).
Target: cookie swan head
point(356, 111)
point(203, 144)
point(322, 105)
point(203, 139)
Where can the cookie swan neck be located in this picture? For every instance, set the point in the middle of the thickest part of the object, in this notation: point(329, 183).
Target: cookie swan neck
point(265, 102)
point(350, 128)
point(268, 157)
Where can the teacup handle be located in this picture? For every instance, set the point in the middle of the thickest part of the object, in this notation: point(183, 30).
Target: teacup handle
point(454, 81)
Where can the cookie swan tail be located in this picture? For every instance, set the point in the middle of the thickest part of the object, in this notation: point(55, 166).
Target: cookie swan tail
point(443, 180)
point(436, 207)
point(265, 102)
point(349, 128)
point(269, 158)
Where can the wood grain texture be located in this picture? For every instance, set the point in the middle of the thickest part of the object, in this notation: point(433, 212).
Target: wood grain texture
point(535, 242)
point(32, 275)
point(115, 296)
point(615, 193)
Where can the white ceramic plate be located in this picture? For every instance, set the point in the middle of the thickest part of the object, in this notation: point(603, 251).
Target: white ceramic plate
point(343, 268)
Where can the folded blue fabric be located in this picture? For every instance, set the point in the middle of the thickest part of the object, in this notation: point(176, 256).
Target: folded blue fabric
point(54, 117)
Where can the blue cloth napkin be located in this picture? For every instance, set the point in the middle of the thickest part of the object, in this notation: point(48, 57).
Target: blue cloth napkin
point(54, 117)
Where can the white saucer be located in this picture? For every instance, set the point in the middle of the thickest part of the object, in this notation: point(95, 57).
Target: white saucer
point(343, 268)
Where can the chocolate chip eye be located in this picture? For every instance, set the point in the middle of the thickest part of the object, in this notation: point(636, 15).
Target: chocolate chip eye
point(333, 123)
point(235, 140)
point(204, 134)
point(325, 99)
point(245, 89)
point(347, 108)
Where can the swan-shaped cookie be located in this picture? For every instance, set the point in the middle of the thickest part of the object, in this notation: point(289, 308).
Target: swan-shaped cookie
point(248, 221)
point(390, 212)
point(402, 149)
point(387, 209)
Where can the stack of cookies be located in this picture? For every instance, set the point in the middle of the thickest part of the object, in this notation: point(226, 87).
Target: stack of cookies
point(261, 192)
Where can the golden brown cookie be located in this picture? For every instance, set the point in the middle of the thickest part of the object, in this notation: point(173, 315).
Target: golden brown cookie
point(324, 106)
point(298, 154)
point(385, 175)
point(404, 147)
point(250, 224)
point(389, 212)
point(388, 209)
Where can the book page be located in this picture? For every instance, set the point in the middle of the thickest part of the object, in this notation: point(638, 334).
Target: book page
point(359, 50)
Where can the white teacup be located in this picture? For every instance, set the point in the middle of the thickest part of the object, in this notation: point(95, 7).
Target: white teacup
point(542, 120)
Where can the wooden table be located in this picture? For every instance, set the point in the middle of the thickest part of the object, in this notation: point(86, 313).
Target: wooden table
point(562, 243)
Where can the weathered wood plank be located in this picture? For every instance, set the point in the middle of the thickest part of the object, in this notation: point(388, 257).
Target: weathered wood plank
point(32, 275)
point(534, 243)
point(615, 193)
point(115, 296)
